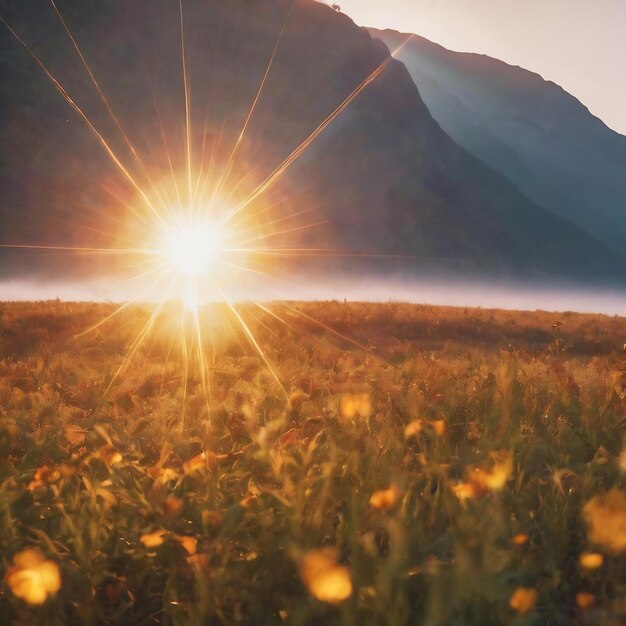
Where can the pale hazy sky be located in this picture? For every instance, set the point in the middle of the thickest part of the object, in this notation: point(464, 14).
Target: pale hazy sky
point(579, 44)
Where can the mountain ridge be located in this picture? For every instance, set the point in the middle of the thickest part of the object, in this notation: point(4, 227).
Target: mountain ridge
point(531, 130)
point(384, 174)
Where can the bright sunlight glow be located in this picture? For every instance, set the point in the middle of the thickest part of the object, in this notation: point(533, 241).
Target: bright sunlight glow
point(191, 246)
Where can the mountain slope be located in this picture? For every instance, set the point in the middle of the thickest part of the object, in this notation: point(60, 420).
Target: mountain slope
point(383, 174)
point(532, 131)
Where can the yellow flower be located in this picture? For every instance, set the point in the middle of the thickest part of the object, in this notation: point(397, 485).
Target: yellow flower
point(523, 599)
point(465, 491)
point(413, 429)
point(495, 477)
point(591, 560)
point(385, 498)
point(605, 517)
point(355, 404)
point(152, 540)
point(324, 578)
point(32, 578)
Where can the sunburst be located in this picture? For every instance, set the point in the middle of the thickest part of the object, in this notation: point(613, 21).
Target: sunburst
point(181, 238)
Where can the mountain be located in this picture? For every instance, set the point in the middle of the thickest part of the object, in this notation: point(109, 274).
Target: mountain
point(383, 176)
point(539, 136)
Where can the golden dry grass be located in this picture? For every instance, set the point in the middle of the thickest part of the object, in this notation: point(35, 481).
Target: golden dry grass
point(468, 470)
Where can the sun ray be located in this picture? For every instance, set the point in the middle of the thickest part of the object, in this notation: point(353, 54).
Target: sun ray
point(107, 104)
point(163, 134)
point(105, 144)
point(215, 235)
point(78, 249)
point(92, 77)
point(186, 90)
point(254, 342)
point(206, 384)
point(121, 308)
point(287, 231)
point(339, 335)
point(131, 351)
point(302, 148)
point(231, 158)
point(185, 370)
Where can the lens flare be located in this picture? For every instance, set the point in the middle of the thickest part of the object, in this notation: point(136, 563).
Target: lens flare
point(196, 236)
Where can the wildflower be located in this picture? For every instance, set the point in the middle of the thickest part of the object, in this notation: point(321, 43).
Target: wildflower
point(591, 560)
point(359, 404)
point(324, 578)
point(523, 599)
point(153, 539)
point(385, 498)
point(495, 477)
point(110, 455)
point(605, 517)
point(32, 578)
point(413, 429)
point(520, 539)
point(585, 601)
point(44, 475)
point(190, 544)
point(465, 491)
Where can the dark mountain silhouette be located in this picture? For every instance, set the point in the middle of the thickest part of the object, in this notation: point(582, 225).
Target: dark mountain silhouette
point(529, 129)
point(383, 173)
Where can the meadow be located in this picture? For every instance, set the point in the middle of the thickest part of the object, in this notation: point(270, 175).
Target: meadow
point(390, 464)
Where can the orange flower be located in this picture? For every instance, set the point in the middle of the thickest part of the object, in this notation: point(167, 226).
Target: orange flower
point(32, 578)
point(190, 544)
point(153, 539)
point(44, 475)
point(591, 560)
point(519, 539)
point(523, 599)
point(385, 498)
point(585, 601)
point(605, 517)
point(324, 578)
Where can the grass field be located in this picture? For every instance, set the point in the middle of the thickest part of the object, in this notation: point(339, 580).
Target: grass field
point(462, 467)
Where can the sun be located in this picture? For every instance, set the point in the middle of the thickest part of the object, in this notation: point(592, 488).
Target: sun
point(191, 246)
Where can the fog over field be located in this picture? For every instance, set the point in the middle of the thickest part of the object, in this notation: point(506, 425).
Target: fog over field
point(523, 297)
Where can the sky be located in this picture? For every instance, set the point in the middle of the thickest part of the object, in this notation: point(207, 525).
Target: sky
point(578, 44)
